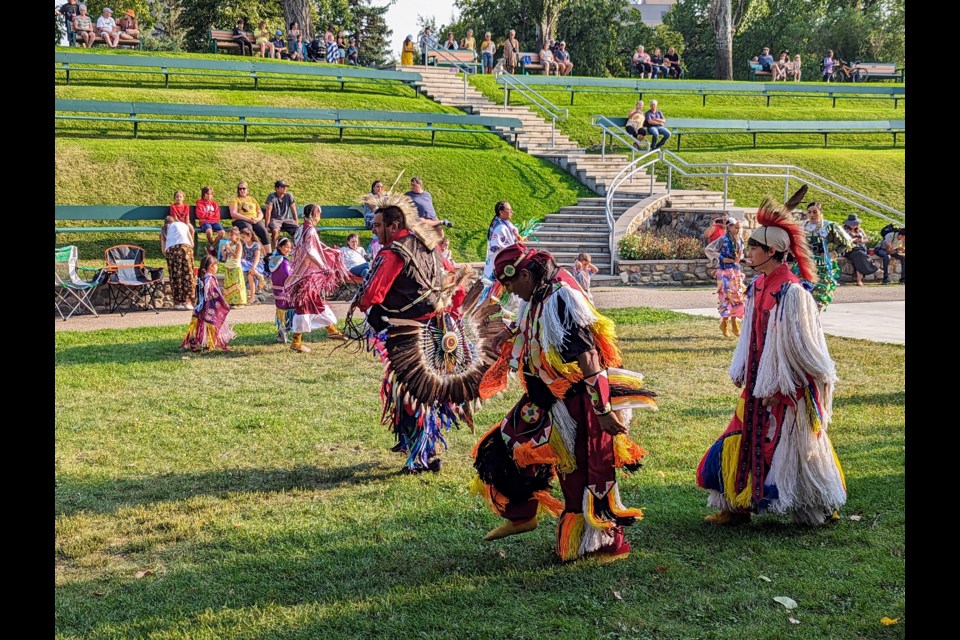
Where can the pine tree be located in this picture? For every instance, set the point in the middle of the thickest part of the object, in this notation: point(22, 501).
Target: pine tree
point(369, 26)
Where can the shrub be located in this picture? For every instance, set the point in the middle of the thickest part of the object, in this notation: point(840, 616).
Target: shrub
point(660, 246)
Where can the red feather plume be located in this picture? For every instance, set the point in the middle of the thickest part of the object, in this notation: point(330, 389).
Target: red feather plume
point(772, 214)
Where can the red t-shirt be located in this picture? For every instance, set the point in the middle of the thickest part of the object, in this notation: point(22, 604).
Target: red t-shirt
point(181, 212)
point(207, 211)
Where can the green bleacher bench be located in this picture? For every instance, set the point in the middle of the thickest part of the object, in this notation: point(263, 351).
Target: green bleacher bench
point(695, 126)
point(574, 85)
point(71, 63)
point(881, 71)
point(128, 213)
point(139, 113)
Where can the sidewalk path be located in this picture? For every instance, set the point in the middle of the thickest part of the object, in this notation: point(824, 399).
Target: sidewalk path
point(873, 312)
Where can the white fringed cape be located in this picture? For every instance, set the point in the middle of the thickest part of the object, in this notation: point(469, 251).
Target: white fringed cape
point(804, 469)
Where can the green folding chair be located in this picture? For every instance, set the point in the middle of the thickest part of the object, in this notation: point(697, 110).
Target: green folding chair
point(73, 292)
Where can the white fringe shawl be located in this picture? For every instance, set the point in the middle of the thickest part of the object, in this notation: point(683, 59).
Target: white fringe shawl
point(565, 425)
point(795, 347)
point(738, 367)
point(808, 480)
point(579, 313)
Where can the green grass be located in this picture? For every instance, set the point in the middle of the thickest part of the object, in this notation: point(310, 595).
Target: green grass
point(258, 489)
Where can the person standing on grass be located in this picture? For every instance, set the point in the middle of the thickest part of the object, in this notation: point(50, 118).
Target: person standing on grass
point(208, 327)
point(207, 213)
point(827, 239)
point(775, 455)
point(234, 289)
point(176, 243)
point(280, 270)
point(571, 419)
point(68, 11)
point(317, 271)
point(411, 298)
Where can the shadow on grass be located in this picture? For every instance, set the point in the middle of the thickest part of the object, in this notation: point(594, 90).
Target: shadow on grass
point(108, 496)
point(869, 399)
point(163, 350)
point(400, 575)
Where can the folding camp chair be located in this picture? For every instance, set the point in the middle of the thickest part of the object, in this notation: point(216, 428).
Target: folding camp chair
point(130, 282)
point(73, 292)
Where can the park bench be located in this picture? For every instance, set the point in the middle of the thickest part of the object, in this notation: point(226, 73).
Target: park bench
point(881, 71)
point(533, 65)
point(130, 44)
point(456, 58)
point(694, 126)
point(222, 40)
point(704, 88)
point(756, 71)
point(71, 63)
point(139, 113)
point(633, 71)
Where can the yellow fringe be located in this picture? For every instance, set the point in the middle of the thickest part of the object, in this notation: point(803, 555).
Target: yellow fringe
point(606, 340)
point(729, 459)
point(494, 499)
point(548, 504)
point(626, 451)
point(595, 522)
point(528, 454)
point(566, 463)
point(815, 424)
point(625, 512)
point(836, 460)
point(569, 536)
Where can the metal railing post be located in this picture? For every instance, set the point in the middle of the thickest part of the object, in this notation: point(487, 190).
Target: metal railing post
point(669, 177)
point(553, 131)
point(603, 144)
point(726, 171)
point(786, 185)
point(505, 95)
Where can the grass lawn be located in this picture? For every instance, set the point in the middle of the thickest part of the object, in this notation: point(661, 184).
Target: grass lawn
point(195, 500)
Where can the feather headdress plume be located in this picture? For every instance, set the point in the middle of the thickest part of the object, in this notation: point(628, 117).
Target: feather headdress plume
point(778, 230)
point(429, 235)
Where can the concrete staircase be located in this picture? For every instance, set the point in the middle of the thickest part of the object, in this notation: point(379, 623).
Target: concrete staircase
point(578, 228)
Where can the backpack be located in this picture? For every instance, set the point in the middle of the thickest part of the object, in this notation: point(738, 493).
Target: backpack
point(890, 228)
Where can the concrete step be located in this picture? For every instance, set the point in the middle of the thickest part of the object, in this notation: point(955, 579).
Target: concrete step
point(572, 228)
point(575, 218)
point(600, 202)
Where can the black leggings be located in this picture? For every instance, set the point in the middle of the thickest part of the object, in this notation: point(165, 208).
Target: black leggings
point(258, 229)
point(643, 67)
point(636, 133)
point(245, 45)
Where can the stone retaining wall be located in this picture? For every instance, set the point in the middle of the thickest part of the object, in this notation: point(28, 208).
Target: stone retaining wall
point(694, 272)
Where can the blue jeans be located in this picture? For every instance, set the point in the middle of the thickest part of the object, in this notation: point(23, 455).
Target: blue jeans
point(360, 270)
point(886, 264)
point(655, 131)
point(487, 61)
point(659, 71)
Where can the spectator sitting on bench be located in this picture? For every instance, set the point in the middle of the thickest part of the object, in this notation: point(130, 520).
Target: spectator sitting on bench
point(423, 201)
point(279, 45)
point(657, 62)
point(281, 214)
point(641, 62)
point(793, 68)
point(563, 59)
point(355, 257)
point(208, 217)
point(893, 246)
point(778, 71)
point(635, 120)
point(654, 123)
point(128, 25)
point(375, 189)
point(83, 27)
point(246, 214)
point(107, 28)
point(765, 60)
point(240, 37)
point(546, 58)
point(263, 41)
point(451, 43)
point(672, 62)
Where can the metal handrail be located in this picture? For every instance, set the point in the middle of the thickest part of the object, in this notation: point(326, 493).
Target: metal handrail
point(674, 162)
point(538, 100)
point(461, 67)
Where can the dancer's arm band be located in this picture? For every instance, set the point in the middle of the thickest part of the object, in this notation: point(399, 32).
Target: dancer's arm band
point(598, 386)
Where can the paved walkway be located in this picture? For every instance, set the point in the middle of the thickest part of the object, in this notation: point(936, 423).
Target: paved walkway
point(872, 312)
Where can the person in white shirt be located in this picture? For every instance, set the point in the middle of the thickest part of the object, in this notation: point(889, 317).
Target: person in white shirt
point(355, 257)
point(176, 243)
point(107, 28)
point(546, 58)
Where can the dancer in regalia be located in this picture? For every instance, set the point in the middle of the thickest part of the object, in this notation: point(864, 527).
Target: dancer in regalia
point(572, 418)
point(775, 454)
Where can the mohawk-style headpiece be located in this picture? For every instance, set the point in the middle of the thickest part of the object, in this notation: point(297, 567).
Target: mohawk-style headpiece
point(429, 235)
point(778, 230)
